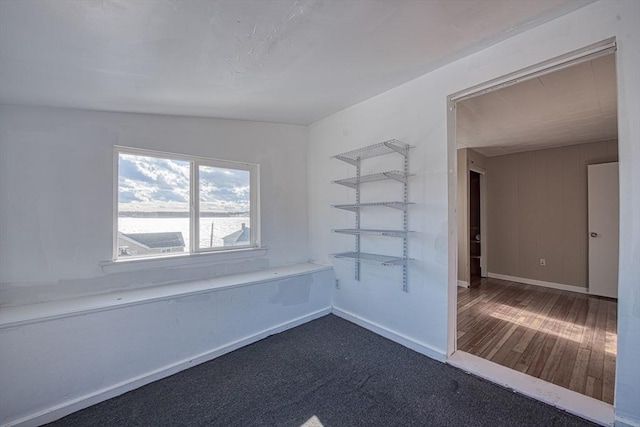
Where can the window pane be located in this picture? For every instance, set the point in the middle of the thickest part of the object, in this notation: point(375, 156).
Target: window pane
point(224, 207)
point(153, 206)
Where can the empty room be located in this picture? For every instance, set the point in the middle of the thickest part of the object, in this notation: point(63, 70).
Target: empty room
point(319, 212)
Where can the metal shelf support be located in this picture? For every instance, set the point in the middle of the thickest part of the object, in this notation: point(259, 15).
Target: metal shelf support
point(405, 226)
point(357, 272)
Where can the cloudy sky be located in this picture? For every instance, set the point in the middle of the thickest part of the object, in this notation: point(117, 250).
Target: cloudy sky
point(159, 185)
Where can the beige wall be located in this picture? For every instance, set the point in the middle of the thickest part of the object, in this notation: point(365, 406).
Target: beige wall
point(466, 158)
point(537, 208)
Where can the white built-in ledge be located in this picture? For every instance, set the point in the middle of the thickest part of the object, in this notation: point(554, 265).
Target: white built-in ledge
point(33, 313)
point(181, 260)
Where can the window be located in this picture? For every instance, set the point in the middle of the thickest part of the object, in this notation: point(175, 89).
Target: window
point(169, 204)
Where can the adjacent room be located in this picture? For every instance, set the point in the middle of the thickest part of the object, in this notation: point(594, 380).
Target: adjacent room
point(318, 212)
point(538, 293)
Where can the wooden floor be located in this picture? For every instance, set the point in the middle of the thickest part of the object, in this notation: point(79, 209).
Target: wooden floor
point(565, 338)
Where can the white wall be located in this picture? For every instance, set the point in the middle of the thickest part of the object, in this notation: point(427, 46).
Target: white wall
point(378, 297)
point(52, 367)
point(56, 187)
point(56, 193)
point(417, 114)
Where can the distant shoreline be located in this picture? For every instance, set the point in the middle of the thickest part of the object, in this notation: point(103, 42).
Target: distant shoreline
point(126, 214)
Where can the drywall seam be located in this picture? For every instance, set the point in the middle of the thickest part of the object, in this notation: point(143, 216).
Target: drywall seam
point(392, 335)
point(66, 408)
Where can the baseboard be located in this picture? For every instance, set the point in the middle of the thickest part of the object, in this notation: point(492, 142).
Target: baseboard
point(626, 422)
point(392, 335)
point(71, 406)
point(463, 284)
point(534, 282)
point(575, 403)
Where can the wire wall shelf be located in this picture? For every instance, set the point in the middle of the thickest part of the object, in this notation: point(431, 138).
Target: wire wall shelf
point(355, 207)
point(371, 232)
point(375, 259)
point(355, 158)
point(380, 149)
point(355, 181)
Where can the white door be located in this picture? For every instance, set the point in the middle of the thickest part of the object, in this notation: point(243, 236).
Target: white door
point(603, 229)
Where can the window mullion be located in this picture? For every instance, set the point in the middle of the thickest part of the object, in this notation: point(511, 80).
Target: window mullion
point(194, 188)
point(254, 208)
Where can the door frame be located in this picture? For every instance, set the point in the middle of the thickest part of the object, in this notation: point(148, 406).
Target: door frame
point(484, 272)
point(562, 398)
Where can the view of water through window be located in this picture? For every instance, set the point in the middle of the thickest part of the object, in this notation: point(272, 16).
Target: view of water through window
point(154, 206)
point(222, 227)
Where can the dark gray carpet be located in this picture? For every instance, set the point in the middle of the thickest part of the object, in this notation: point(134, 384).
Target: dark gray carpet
point(330, 368)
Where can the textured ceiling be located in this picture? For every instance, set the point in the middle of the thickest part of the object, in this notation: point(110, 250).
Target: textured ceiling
point(572, 106)
point(271, 60)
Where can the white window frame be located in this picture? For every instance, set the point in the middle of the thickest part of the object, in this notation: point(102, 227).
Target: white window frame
point(194, 200)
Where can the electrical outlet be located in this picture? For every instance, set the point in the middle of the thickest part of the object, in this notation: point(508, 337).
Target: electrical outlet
point(543, 261)
point(337, 284)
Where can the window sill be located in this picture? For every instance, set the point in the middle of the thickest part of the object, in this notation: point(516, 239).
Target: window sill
point(140, 264)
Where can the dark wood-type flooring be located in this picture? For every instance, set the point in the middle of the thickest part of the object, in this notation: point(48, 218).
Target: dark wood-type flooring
point(566, 338)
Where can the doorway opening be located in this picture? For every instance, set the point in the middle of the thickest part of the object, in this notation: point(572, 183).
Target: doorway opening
point(526, 298)
point(475, 230)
